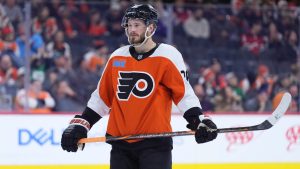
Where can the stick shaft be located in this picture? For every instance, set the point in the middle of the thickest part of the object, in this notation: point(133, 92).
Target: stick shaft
point(160, 135)
point(276, 115)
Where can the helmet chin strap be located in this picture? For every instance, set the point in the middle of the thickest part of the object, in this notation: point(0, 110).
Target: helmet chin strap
point(146, 37)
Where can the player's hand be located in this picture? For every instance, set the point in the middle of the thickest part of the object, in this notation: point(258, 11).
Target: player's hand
point(77, 130)
point(206, 131)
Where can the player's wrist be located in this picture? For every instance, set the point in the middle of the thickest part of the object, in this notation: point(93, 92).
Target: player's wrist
point(79, 121)
point(90, 115)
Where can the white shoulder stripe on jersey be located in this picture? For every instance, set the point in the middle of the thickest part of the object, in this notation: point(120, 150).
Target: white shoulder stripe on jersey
point(171, 53)
point(97, 104)
point(122, 51)
point(189, 99)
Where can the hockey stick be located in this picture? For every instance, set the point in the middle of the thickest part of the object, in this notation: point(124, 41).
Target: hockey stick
point(268, 123)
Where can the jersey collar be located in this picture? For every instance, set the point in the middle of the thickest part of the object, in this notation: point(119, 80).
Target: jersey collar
point(140, 56)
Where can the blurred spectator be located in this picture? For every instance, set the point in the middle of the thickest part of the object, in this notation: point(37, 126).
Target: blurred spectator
point(264, 103)
point(274, 37)
point(6, 102)
point(264, 78)
point(36, 6)
point(294, 90)
point(4, 19)
point(247, 83)
point(295, 73)
point(291, 50)
point(206, 104)
point(236, 6)
point(13, 11)
point(66, 98)
point(260, 103)
point(37, 46)
point(20, 78)
point(59, 45)
point(221, 29)
point(61, 65)
point(208, 81)
point(248, 86)
point(84, 7)
point(71, 5)
point(96, 58)
point(286, 17)
point(226, 101)
point(54, 8)
point(197, 26)
point(66, 23)
point(180, 12)
point(233, 83)
point(97, 25)
point(61, 70)
point(283, 83)
point(269, 12)
point(44, 24)
point(164, 19)
point(87, 78)
point(8, 73)
point(9, 45)
point(212, 79)
point(39, 67)
point(253, 41)
point(39, 100)
point(251, 13)
point(80, 18)
point(114, 18)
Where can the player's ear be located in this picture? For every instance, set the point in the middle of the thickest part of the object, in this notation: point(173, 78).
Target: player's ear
point(151, 28)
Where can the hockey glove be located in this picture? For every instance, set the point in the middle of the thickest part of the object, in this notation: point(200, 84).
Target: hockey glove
point(77, 129)
point(206, 130)
point(204, 127)
point(192, 117)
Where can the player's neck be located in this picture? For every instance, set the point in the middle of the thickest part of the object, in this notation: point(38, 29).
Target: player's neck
point(150, 44)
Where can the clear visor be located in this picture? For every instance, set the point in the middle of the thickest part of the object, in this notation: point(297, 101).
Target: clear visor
point(124, 23)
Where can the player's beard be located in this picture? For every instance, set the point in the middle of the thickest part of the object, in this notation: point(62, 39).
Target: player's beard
point(135, 40)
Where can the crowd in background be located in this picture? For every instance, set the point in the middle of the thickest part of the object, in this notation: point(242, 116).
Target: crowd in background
point(239, 56)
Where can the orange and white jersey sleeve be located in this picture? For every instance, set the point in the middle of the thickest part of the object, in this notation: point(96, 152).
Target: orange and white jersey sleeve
point(176, 79)
point(97, 104)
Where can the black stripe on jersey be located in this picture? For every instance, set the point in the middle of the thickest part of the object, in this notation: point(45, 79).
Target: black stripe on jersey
point(140, 56)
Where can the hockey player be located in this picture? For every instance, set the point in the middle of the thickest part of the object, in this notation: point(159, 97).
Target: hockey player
point(136, 90)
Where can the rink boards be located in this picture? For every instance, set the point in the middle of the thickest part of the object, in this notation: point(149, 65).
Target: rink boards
point(33, 141)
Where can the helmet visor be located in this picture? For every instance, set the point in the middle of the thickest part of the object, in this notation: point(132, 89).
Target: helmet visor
point(146, 16)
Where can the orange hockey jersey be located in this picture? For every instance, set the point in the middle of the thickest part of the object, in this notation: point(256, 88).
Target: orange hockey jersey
point(138, 94)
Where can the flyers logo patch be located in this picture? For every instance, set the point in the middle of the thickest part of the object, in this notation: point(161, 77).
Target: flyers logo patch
point(138, 84)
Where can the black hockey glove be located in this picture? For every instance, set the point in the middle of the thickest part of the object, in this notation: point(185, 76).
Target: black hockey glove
point(204, 127)
point(77, 129)
point(192, 117)
point(206, 131)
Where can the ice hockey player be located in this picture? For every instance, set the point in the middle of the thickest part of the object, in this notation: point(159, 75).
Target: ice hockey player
point(137, 88)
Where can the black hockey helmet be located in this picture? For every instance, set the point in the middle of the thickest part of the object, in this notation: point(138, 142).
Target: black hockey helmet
point(145, 12)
